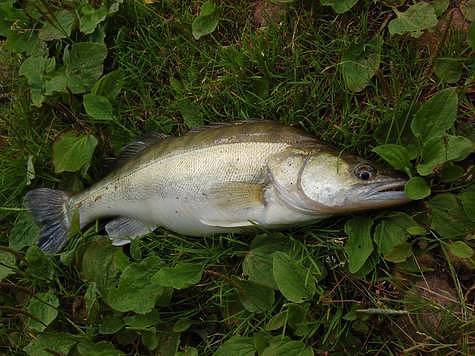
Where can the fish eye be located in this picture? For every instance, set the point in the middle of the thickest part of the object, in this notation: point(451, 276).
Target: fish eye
point(364, 172)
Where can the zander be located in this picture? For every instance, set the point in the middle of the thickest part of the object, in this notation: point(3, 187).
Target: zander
point(228, 178)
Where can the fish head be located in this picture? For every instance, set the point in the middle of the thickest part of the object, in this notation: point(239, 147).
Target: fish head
point(325, 182)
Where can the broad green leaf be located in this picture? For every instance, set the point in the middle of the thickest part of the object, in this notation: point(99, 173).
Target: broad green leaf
point(468, 203)
point(396, 155)
point(277, 321)
point(35, 70)
point(288, 348)
point(56, 82)
point(109, 85)
point(59, 25)
point(90, 17)
point(468, 9)
point(448, 217)
point(399, 253)
point(111, 324)
point(436, 115)
point(102, 264)
point(24, 232)
point(295, 282)
point(83, 63)
point(137, 290)
point(206, 22)
point(471, 36)
point(7, 264)
point(189, 351)
point(142, 321)
point(40, 265)
point(451, 172)
point(191, 113)
point(182, 325)
point(102, 348)
point(460, 249)
point(417, 188)
point(416, 230)
point(255, 297)
point(25, 42)
point(44, 306)
point(358, 65)
point(150, 339)
point(439, 150)
point(60, 343)
point(340, 6)
point(181, 276)
point(98, 107)
point(448, 70)
point(257, 264)
point(416, 18)
point(72, 152)
point(237, 346)
point(440, 6)
point(359, 245)
point(90, 297)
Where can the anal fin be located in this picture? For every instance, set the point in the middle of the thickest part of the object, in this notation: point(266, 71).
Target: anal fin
point(124, 229)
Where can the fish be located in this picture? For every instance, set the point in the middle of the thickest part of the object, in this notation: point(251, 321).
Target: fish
point(226, 178)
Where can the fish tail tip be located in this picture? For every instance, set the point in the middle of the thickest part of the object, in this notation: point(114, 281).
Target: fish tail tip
point(49, 209)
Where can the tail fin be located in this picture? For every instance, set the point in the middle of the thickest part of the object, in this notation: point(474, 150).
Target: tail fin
point(49, 209)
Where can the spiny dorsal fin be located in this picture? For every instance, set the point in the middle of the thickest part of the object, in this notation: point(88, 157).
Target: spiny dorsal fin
point(135, 147)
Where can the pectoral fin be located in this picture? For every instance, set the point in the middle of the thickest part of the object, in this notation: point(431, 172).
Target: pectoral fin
point(231, 202)
point(123, 230)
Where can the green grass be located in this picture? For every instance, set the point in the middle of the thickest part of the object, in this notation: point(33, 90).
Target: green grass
point(289, 73)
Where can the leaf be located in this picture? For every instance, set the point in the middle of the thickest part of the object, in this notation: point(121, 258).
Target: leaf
point(150, 339)
point(436, 115)
point(257, 264)
point(137, 290)
point(448, 217)
point(255, 297)
point(440, 6)
point(396, 155)
point(288, 348)
point(295, 282)
point(7, 264)
point(359, 65)
point(102, 348)
point(339, 6)
point(109, 85)
point(181, 276)
point(468, 203)
point(60, 343)
point(451, 172)
point(40, 265)
point(56, 82)
point(72, 152)
point(44, 307)
point(468, 9)
point(24, 232)
point(399, 253)
point(191, 113)
point(206, 22)
point(417, 188)
point(439, 150)
point(111, 324)
point(35, 69)
point(471, 36)
point(167, 343)
point(102, 264)
point(182, 325)
point(142, 321)
point(460, 249)
point(359, 245)
point(416, 18)
point(83, 64)
point(237, 346)
point(90, 297)
point(98, 107)
point(189, 351)
point(448, 70)
point(277, 321)
point(90, 17)
point(59, 26)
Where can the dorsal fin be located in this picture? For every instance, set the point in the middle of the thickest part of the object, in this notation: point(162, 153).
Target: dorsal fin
point(217, 125)
point(135, 147)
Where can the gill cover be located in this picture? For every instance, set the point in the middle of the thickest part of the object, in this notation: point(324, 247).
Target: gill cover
point(286, 170)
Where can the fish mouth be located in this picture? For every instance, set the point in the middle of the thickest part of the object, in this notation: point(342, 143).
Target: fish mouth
point(392, 190)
